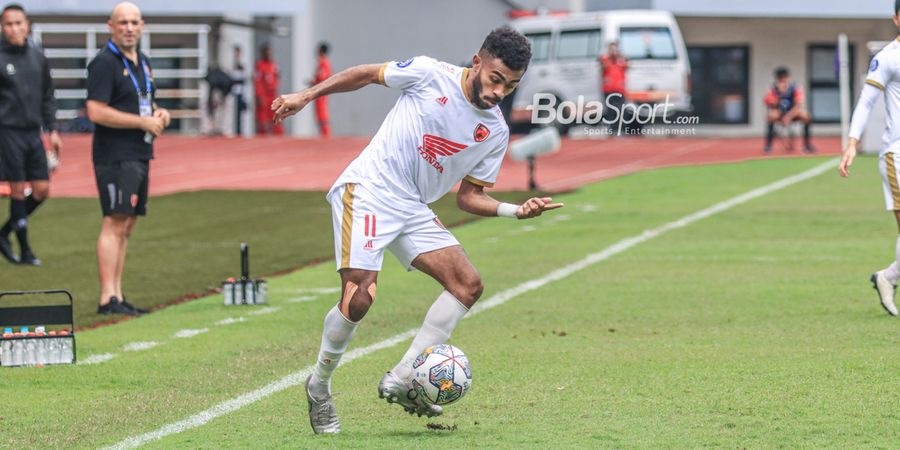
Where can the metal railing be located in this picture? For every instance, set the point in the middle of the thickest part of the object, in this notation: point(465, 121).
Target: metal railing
point(179, 54)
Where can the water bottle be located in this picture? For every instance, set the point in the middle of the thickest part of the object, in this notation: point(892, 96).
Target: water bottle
point(5, 352)
point(30, 350)
point(238, 292)
point(66, 352)
point(228, 291)
point(18, 352)
point(262, 291)
point(52, 350)
point(250, 292)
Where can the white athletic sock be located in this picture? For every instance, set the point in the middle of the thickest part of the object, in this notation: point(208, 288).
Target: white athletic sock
point(335, 337)
point(439, 323)
point(892, 272)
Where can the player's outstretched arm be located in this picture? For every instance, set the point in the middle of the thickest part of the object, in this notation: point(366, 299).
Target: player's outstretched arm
point(346, 80)
point(472, 199)
point(867, 99)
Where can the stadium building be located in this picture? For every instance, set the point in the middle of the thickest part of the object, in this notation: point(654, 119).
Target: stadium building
point(733, 49)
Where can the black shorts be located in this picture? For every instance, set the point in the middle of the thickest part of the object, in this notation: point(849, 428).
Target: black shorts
point(123, 187)
point(22, 155)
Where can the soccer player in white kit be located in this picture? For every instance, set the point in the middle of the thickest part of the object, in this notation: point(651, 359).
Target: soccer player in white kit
point(446, 127)
point(883, 76)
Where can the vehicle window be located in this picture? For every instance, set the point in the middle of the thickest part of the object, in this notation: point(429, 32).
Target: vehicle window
point(540, 46)
point(579, 44)
point(647, 43)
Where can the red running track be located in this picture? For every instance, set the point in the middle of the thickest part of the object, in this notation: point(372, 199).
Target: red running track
point(279, 163)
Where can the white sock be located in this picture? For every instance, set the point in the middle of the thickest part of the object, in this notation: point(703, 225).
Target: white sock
point(439, 323)
point(335, 338)
point(892, 272)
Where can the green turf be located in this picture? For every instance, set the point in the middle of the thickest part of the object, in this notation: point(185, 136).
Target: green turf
point(187, 244)
point(755, 328)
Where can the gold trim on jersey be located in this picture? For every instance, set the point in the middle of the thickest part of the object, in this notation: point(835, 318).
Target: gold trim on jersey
point(381, 74)
point(347, 224)
point(462, 83)
point(892, 179)
point(478, 182)
point(875, 83)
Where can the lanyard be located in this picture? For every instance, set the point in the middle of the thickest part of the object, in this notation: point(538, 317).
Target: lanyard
point(112, 47)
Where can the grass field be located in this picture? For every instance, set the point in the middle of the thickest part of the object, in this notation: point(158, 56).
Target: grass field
point(186, 245)
point(753, 328)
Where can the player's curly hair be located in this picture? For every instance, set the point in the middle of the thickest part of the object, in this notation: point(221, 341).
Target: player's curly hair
point(510, 46)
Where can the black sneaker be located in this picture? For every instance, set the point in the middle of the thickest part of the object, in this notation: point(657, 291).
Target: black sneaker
point(767, 149)
point(6, 250)
point(808, 148)
point(28, 259)
point(115, 307)
point(139, 311)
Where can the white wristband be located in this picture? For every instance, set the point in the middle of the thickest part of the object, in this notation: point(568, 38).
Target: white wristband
point(507, 210)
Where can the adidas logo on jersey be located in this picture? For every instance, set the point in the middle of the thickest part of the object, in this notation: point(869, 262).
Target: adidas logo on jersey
point(369, 245)
point(441, 100)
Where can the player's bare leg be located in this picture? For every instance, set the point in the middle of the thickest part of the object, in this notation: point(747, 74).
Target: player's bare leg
point(885, 281)
point(462, 288)
point(357, 296)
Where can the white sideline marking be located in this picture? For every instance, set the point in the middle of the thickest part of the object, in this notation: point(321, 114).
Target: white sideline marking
point(302, 298)
point(97, 359)
point(190, 333)
point(138, 346)
point(266, 310)
point(497, 299)
point(231, 320)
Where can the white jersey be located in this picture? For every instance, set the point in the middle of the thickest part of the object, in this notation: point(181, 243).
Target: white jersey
point(431, 139)
point(884, 73)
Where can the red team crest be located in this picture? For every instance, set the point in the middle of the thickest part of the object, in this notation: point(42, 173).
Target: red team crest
point(481, 133)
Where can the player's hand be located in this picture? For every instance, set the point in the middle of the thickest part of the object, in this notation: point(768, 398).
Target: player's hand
point(163, 114)
point(154, 125)
point(56, 143)
point(287, 105)
point(847, 161)
point(536, 206)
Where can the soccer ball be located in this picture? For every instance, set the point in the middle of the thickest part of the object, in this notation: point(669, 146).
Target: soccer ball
point(441, 374)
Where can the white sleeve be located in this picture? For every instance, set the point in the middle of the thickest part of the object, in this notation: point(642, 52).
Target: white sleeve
point(867, 99)
point(485, 173)
point(407, 75)
point(879, 71)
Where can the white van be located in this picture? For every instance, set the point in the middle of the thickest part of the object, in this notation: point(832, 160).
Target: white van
point(565, 51)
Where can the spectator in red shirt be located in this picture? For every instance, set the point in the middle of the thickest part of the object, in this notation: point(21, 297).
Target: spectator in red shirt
point(613, 66)
point(322, 73)
point(784, 101)
point(265, 83)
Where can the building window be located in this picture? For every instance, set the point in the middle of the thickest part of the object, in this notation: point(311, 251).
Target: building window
point(823, 99)
point(720, 83)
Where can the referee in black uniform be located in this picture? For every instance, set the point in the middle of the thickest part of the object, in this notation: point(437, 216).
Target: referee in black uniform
point(26, 104)
point(121, 105)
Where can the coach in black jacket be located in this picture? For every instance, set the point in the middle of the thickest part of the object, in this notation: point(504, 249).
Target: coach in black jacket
point(26, 104)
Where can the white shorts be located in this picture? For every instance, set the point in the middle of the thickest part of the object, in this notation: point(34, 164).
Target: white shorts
point(364, 228)
point(888, 163)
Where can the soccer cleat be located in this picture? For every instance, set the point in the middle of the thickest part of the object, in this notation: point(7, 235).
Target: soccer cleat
point(137, 310)
point(322, 416)
point(885, 291)
point(395, 390)
point(28, 259)
point(115, 307)
point(6, 250)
